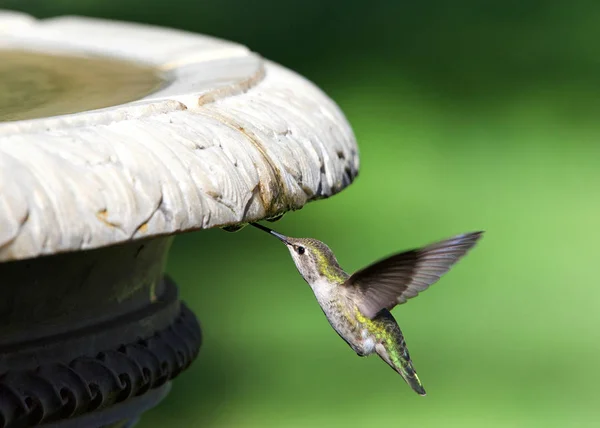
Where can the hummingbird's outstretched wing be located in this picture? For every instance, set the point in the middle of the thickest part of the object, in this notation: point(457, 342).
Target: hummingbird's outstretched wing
point(393, 280)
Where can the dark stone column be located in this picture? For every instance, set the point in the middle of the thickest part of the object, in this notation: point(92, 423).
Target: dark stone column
point(90, 338)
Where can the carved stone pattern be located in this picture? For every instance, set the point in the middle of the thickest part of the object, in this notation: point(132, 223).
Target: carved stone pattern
point(234, 138)
point(59, 391)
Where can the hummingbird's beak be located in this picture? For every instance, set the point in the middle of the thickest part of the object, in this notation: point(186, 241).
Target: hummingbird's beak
point(279, 236)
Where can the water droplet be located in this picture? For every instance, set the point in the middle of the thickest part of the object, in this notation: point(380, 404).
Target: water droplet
point(233, 227)
point(276, 218)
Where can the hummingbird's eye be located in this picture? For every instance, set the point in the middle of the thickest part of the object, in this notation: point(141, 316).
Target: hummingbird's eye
point(300, 250)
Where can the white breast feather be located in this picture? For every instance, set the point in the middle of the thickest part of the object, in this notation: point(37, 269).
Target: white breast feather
point(368, 342)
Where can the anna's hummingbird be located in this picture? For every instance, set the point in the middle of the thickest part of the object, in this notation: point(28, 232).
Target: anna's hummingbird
point(358, 306)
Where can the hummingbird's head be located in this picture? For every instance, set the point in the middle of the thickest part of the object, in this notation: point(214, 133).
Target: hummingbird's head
point(314, 260)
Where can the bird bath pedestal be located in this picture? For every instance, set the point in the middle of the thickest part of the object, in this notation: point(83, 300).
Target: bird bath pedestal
point(113, 138)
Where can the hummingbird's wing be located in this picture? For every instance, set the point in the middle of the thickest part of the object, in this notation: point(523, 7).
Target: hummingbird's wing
point(392, 281)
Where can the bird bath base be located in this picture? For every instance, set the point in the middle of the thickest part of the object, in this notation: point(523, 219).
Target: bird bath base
point(92, 338)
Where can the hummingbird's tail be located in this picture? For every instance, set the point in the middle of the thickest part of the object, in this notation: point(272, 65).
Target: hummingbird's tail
point(393, 351)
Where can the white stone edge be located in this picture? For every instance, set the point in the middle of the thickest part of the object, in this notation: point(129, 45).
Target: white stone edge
point(255, 145)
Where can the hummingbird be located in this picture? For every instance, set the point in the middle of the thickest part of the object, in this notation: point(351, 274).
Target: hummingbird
point(358, 306)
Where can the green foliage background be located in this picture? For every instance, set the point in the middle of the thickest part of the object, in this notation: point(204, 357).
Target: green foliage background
point(468, 116)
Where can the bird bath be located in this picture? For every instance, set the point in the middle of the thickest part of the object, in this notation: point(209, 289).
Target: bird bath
point(114, 137)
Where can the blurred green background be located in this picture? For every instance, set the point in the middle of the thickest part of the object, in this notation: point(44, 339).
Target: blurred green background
point(468, 116)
